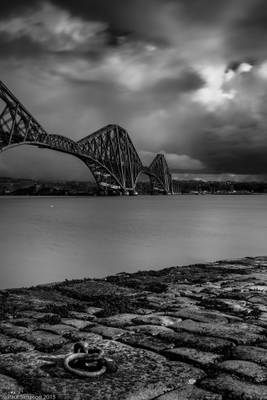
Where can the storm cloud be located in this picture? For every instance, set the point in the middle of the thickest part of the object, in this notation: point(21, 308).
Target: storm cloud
point(184, 77)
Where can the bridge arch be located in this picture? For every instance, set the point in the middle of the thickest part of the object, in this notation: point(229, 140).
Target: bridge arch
point(155, 182)
point(93, 165)
point(109, 152)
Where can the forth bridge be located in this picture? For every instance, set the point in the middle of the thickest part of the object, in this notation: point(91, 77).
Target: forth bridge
point(108, 153)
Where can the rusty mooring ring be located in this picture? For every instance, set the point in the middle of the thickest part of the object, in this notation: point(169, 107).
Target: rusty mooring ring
point(90, 358)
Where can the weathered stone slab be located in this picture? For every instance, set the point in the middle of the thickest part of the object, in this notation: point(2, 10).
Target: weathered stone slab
point(240, 333)
point(263, 344)
point(108, 332)
point(232, 306)
point(42, 340)
point(245, 369)
point(26, 322)
point(155, 302)
point(155, 319)
point(92, 289)
point(258, 288)
point(77, 336)
point(259, 299)
point(118, 320)
point(199, 315)
point(153, 330)
point(142, 375)
point(50, 318)
point(94, 310)
point(145, 342)
point(83, 315)
point(8, 386)
point(205, 343)
point(251, 353)
point(58, 329)
point(233, 388)
point(76, 323)
point(182, 302)
point(45, 341)
point(144, 311)
point(263, 316)
point(12, 345)
point(190, 392)
point(194, 356)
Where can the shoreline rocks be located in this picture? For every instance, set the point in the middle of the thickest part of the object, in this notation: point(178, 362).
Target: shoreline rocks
point(187, 333)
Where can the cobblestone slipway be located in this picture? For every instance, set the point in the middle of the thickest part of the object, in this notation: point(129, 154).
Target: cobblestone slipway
point(195, 332)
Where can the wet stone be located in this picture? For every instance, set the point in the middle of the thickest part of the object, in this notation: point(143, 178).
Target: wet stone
point(58, 329)
point(251, 353)
point(42, 340)
point(77, 336)
point(205, 343)
point(45, 341)
point(145, 342)
point(263, 344)
point(190, 392)
point(240, 333)
point(26, 322)
point(263, 316)
point(183, 302)
point(82, 315)
point(153, 330)
point(107, 332)
point(12, 345)
point(141, 375)
point(200, 358)
point(9, 386)
point(76, 323)
point(233, 388)
point(118, 320)
point(229, 305)
point(94, 310)
point(245, 369)
point(144, 311)
point(155, 319)
point(259, 300)
point(50, 318)
point(13, 330)
point(200, 316)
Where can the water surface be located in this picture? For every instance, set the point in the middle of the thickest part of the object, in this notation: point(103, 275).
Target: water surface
point(50, 239)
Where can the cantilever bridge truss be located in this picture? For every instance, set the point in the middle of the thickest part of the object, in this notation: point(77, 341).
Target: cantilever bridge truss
point(109, 153)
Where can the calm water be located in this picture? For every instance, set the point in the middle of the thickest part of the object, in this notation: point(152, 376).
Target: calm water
point(50, 239)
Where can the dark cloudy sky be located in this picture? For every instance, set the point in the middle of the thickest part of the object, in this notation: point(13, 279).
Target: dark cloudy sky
point(184, 77)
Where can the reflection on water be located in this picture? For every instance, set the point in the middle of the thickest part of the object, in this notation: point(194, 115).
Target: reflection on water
point(50, 239)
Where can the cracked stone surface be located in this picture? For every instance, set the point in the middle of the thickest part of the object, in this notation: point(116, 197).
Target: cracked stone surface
point(141, 374)
point(235, 389)
point(194, 356)
point(183, 333)
point(245, 369)
point(9, 386)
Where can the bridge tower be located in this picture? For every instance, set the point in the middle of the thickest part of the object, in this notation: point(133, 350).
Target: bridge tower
point(112, 147)
point(160, 176)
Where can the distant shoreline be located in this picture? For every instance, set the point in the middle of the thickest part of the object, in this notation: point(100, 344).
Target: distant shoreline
point(141, 195)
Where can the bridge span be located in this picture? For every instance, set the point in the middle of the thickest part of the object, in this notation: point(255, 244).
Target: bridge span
point(109, 152)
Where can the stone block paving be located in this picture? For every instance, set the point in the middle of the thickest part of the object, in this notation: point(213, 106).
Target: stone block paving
point(194, 333)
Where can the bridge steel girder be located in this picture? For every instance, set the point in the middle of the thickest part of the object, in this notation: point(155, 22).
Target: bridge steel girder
point(109, 152)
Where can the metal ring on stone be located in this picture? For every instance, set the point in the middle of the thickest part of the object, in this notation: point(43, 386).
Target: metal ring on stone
point(80, 372)
point(83, 347)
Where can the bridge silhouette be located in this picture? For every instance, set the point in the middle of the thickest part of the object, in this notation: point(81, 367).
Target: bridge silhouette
point(109, 152)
